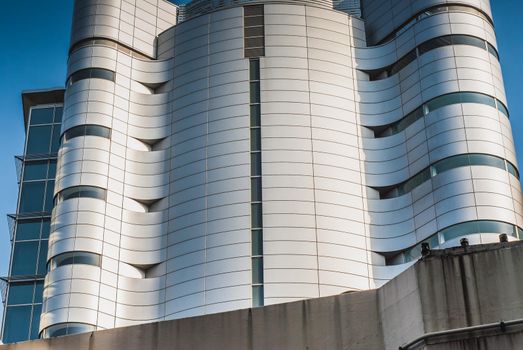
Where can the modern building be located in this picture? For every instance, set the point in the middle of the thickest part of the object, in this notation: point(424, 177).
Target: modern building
point(30, 226)
point(462, 298)
point(224, 155)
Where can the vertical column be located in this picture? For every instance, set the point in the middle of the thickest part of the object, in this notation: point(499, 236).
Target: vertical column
point(256, 184)
point(254, 43)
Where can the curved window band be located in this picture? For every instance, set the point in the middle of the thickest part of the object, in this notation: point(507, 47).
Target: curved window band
point(426, 46)
point(436, 103)
point(80, 192)
point(86, 130)
point(70, 258)
point(109, 43)
point(435, 10)
point(61, 329)
point(444, 165)
point(91, 73)
point(455, 231)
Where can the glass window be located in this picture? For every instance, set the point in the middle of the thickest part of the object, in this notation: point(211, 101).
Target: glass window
point(52, 169)
point(98, 73)
point(90, 130)
point(257, 296)
point(502, 108)
point(81, 191)
point(69, 258)
point(492, 50)
point(256, 52)
point(512, 169)
point(254, 31)
point(38, 139)
point(403, 62)
point(48, 205)
point(255, 139)
point(254, 69)
point(97, 130)
point(257, 270)
point(256, 189)
point(35, 170)
point(256, 164)
point(415, 181)
point(67, 328)
point(42, 258)
point(468, 40)
point(434, 43)
point(58, 112)
point(41, 116)
point(254, 21)
point(55, 140)
point(39, 291)
point(253, 10)
point(86, 258)
point(458, 230)
point(255, 115)
point(483, 159)
point(496, 227)
point(35, 325)
point(27, 230)
point(20, 293)
point(473, 97)
point(450, 163)
point(254, 42)
point(255, 91)
point(32, 197)
point(102, 74)
point(17, 321)
point(79, 75)
point(24, 258)
point(257, 242)
point(442, 101)
point(46, 228)
point(256, 215)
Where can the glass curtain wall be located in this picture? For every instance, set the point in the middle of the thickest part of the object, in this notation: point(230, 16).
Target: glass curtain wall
point(23, 302)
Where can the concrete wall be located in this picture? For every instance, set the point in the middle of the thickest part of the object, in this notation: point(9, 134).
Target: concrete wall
point(450, 289)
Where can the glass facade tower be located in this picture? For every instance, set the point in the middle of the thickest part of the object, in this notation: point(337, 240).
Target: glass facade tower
point(30, 226)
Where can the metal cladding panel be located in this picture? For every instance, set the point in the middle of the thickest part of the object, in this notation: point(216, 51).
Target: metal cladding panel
point(358, 162)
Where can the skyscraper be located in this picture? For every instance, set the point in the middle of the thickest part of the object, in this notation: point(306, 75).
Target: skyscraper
point(226, 155)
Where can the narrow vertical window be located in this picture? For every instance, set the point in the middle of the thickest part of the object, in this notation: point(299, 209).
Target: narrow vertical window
point(256, 176)
point(253, 31)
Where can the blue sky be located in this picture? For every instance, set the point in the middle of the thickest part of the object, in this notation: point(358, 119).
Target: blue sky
point(35, 52)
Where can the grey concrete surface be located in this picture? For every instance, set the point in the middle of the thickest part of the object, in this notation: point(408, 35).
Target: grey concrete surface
point(449, 289)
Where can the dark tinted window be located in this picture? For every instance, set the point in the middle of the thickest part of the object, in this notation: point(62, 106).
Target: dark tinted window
point(17, 322)
point(42, 258)
point(32, 197)
point(256, 215)
point(81, 192)
point(98, 73)
point(24, 259)
point(256, 163)
point(257, 270)
point(256, 189)
point(41, 116)
point(87, 130)
point(85, 258)
point(38, 139)
point(20, 293)
point(35, 170)
point(37, 310)
point(257, 242)
point(28, 229)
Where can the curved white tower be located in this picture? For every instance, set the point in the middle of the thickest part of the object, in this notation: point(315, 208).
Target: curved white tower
point(258, 153)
